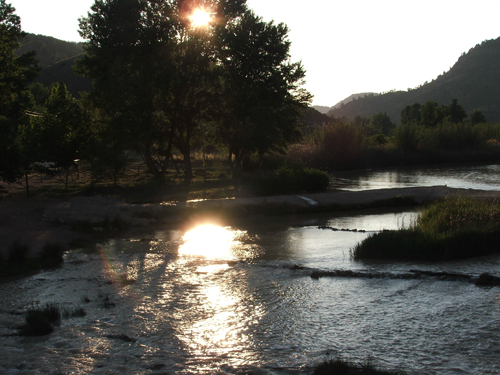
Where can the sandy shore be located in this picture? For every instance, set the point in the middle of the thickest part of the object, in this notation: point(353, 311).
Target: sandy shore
point(38, 220)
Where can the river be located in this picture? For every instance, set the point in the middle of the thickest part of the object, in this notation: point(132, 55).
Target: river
point(237, 298)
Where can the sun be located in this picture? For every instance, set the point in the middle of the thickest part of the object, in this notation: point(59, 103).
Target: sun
point(200, 18)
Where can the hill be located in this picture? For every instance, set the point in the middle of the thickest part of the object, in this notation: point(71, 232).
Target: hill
point(49, 50)
point(474, 80)
point(56, 58)
point(63, 72)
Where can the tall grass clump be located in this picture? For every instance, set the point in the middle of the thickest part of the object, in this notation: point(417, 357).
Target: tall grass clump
point(339, 366)
point(453, 228)
point(39, 319)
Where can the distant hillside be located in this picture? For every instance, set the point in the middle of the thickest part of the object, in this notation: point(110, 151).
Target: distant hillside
point(474, 80)
point(56, 57)
point(353, 97)
point(63, 72)
point(322, 109)
point(312, 117)
point(49, 50)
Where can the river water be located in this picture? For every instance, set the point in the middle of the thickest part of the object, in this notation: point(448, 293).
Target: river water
point(481, 177)
point(237, 298)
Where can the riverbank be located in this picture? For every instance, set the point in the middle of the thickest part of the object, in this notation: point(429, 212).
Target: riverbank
point(39, 220)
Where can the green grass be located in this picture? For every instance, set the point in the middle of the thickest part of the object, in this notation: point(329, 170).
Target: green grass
point(454, 228)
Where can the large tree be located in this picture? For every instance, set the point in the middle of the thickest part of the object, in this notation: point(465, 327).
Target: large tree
point(159, 79)
point(16, 72)
point(262, 98)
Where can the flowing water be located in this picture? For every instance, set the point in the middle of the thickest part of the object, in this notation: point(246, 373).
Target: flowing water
point(230, 300)
point(481, 177)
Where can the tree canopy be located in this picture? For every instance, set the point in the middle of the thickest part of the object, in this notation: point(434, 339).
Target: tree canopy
point(16, 72)
point(160, 80)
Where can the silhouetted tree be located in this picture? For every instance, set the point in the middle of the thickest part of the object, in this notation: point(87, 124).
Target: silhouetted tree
point(57, 136)
point(411, 114)
point(261, 97)
point(381, 124)
point(456, 112)
point(477, 118)
point(16, 72)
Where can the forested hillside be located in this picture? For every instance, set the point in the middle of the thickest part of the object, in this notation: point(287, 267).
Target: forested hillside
point(49, 50)
point(474, 80)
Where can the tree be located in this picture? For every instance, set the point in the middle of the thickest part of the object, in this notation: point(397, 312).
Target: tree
point(411, 114)
point(477, 118)
point(261, 94)
point(456, 112)
point(128, 51)
point(152, 72)
point(16, 72)
point(57, 136)
point(431, 114)
point(381, 123)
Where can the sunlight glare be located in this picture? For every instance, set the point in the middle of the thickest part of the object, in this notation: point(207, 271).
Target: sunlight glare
point(209, 241)
point(200, 18)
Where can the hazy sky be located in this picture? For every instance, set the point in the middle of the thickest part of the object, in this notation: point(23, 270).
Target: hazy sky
point(347, 46)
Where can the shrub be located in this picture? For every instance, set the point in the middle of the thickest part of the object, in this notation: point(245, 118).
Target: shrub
point(289, 179)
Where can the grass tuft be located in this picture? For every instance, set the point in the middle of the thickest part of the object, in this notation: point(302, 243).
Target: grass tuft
point(454, 228)
point(339, 366)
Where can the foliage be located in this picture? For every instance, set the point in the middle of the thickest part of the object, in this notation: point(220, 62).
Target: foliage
point(449, 229)
point(158, 81)
point(59, 134)
point(290, 178)
point(16, 72)
point(381, 124)
point(261, 94)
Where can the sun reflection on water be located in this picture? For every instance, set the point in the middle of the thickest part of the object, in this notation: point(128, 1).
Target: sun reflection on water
point(210, 242)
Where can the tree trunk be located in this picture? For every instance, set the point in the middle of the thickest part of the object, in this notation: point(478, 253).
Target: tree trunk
point(27, 184)
point(148, 159)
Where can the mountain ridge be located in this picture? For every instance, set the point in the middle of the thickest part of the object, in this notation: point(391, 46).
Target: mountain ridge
point(474, 80)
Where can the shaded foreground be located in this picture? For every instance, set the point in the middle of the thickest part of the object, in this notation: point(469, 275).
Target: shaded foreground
point(454, 228)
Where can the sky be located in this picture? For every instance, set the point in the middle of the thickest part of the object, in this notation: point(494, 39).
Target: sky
point(346, 47)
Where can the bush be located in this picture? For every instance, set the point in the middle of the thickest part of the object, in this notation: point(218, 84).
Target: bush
point(290, 179)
